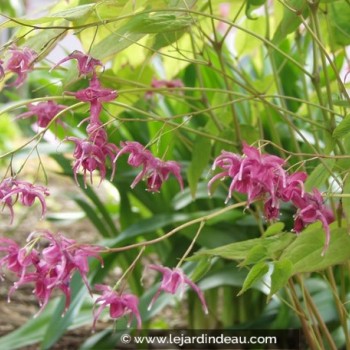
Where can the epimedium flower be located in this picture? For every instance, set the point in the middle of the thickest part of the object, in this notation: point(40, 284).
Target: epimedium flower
point(154, 170)
point(24, 191)
point(312, 209)
point(95, 95)
point(20, 63)
point(44, 111)
point(51, 267)
point(254, 174)
point(174, 280)
point(261, 176)
point(119, 305)
point(86, 63)
point(5, 188)
point(91, 155)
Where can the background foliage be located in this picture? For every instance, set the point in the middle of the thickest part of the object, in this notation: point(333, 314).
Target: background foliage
point(273, 74)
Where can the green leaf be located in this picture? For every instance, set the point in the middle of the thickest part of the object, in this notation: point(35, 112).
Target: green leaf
point(282, 271)
point(319, 175)
point(240, 250)
point(305, 252)
point(339, 14)
point(251, 6)
point(343, 128)
point(255, 274)
point(72, 14)
point(93, 217)
point(136, 28)
point(160, 23)
point(273, 229)
point(31, 332)
point(58, 324)
point(256, 254)
point(200, 160)
point(290, 21)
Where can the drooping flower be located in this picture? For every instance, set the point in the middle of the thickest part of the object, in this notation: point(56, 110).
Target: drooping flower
point(27, 193)
point(95, 95)
point(24, 191)
point(119, 305)
point(86, 63)
point(91, 154)
point(154, 170)
point(174, 280)
point(20, 63)
point(44, 111)
point(311, 210)
point(5, 188)
point(49, 268)
point(261, 176)
point(258, 175)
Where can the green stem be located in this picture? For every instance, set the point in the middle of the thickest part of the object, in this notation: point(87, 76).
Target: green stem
point(177, 229)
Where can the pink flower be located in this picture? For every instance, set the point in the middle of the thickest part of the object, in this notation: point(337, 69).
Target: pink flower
point(119, 305)
point(86, 63)
point(255, 174)
point(158, 172)
point(45, 111)
point(68, 256)
point(173, 280)
point(26, 192)
point(91, 154)
point(154, 170)
point(21, 63)
point(312, 210)
point(95, 95)
point(5, 188)
point(17, 259)
point(49, 269)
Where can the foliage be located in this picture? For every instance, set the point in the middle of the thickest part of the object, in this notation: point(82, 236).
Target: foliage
point(188, 80)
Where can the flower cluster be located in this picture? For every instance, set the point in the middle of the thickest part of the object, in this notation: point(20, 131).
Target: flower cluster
point(21, 62)
point(261, 176)
point(12, 189)
point(91, 153)
point(154, 170)
point(48, 269)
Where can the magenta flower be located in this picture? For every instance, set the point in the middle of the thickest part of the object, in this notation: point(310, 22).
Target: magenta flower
point(158, 172)
point(5, 188)
point(91, 155)
point(25, 191)
point(154, 170)
point(119, 305)
point(45, 112)
point(311, 210)
point(68, 257)
point(263, 177)
point(86, 63)
point(174, 280)
point(17, 259)
point(49, 269)
point(95, 95)
point(21, 63)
